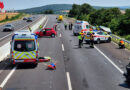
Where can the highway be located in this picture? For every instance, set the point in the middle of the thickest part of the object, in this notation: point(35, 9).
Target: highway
point(76, 69)
point(19, 24)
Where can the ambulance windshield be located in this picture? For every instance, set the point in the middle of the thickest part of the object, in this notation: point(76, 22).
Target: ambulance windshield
point(24, 45)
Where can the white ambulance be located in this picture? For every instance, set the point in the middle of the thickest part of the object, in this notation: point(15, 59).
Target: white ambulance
point(24, 47)
point(80, 25)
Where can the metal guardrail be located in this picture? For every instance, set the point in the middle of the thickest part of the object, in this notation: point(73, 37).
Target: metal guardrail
point(116, 37)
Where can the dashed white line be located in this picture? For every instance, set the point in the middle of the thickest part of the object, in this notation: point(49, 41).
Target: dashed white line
point(8, 77)
point(63, 48)
point(60, 35)
point(121, 71)
point(69, 81)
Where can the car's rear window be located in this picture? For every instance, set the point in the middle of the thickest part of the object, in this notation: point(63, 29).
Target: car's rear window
point(24, 45)
point(47, 29)
point(7, 25)
point(89, 33)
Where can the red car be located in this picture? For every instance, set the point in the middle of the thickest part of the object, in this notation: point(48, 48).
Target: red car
point(46, 32)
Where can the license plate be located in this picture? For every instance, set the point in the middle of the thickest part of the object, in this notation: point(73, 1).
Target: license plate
point(19, 60)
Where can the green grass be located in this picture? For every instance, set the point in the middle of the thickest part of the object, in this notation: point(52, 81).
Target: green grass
point(118, 40)
point(19, 16)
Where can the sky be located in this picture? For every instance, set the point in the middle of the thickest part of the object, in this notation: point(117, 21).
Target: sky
point(23, 4)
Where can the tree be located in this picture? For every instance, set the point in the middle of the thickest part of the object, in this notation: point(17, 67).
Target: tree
point(48, 12)
point(75, 11)
point(86, 8)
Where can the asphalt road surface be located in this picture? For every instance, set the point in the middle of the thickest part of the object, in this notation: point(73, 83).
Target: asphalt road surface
point(17, 25)
point(76, 69)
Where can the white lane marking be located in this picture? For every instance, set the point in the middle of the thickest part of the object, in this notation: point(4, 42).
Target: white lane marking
point(69, 81)
point(60, 35)
point(121, 71)
point(63, 48)
point(45, 23)
point(17, 30)
point(8, 77)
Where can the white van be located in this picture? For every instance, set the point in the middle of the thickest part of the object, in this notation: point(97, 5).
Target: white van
point(80, 25)
point(24, 48)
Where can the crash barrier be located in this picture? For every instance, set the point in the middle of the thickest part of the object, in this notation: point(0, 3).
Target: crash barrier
point(116, 39)
point(5, 49)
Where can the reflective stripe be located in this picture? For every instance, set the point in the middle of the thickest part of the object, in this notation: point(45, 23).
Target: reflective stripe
point(24, 55)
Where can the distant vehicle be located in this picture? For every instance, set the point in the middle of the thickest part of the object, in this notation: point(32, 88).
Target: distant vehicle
point(24, 48)
point(29, 20)
point(106, 29)
point(99, 36)
point(24, 18)
point(80, 25)
point(60, 18)
point(46, 32)
point(8, 27)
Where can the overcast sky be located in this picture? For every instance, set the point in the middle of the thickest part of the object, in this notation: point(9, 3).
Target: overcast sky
point(23, 4)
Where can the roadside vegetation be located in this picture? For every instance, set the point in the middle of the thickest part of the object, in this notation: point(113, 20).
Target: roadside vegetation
point(9, 18)
point(112, 18)
point(48, 12)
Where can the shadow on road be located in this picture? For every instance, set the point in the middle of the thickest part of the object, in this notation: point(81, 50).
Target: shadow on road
point(125, 85)
point(26, 66)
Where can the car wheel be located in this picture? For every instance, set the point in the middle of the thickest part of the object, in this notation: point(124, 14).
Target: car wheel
point(74, 34)
point(87, 42)
point(53, 35)
point(98, 41)
point(109, 40)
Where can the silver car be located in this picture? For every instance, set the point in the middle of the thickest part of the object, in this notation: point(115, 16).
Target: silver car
point(8, 27)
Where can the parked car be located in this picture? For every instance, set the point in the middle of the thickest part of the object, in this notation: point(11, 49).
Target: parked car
point(8, 27)
point(24, 18)
point(99, 36)
point(46, 32)
point(29, 20)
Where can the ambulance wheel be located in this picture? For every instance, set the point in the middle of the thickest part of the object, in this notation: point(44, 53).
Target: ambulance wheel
point(87, 42)
point(35, 65)
point(53, 35)
point(109, 40)
point(12, 65)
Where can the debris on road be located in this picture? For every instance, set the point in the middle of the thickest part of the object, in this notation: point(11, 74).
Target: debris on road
point(44, 59)
point(52, 66)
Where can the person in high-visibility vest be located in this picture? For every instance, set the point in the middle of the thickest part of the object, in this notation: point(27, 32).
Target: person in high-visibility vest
point(65, 25)
point(121, 44)
point(91, 39)
point(81, 38)
point(40, 27)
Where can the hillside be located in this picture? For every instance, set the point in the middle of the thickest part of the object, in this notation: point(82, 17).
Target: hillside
point(57, 8)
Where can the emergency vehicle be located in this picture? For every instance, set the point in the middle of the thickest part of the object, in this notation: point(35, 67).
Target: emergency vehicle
point(80, 25)
point(60, 18)
point(99, 36)
point(24, 47)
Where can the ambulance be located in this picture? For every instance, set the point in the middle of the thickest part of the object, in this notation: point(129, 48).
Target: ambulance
point(80, 25)
point(24, 48)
